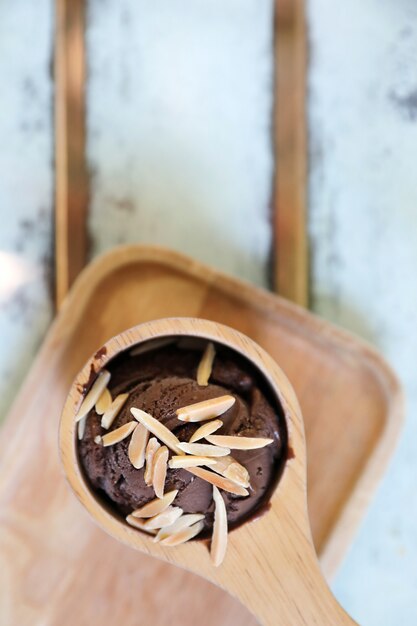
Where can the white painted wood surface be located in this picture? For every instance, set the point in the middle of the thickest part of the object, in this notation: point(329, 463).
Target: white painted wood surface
point(363, 203)
point(26, 187)
point(179, 102)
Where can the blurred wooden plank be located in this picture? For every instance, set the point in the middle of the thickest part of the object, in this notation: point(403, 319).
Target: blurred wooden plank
point(290, 253)
point(71, 193)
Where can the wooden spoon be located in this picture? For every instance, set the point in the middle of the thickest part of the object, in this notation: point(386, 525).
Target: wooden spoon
point(270, 565)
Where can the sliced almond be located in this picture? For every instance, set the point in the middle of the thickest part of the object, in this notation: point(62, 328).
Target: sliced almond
point(81, 427)
point(159, 474)
point(119, 434)
point(166, 518)
point(185, 521)
point(220, 481)
point(205, 410)
point(239, 443)
point(104, 402)
point(230, 468)
point(202, 449)
point(177, 462)
point(183, 535)
point(113, 411)
point(158, 429)
point(98, 440)
point(206, 429)
point(93, 395)
point(137, 446)
point(156, 506)
point(219, 539)
point(206, 365)
point(138, 523)
point(151, 448)
point(153, 344)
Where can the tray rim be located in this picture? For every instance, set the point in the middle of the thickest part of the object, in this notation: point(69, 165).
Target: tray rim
point(358, 497)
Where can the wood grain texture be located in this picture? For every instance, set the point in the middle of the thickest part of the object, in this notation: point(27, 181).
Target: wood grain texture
point(71, 177)
point(45, 573)
point(290, 252)
point(270, 565)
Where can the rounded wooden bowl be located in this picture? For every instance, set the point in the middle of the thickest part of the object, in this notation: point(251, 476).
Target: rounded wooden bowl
point(109, 520)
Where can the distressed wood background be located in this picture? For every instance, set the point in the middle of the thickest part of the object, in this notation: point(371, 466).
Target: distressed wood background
point(179, 104)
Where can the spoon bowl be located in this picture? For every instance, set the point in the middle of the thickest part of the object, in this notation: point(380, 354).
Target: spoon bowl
point(270, 565)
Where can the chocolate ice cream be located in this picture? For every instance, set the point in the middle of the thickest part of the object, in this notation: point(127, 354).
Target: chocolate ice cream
point(160, 382)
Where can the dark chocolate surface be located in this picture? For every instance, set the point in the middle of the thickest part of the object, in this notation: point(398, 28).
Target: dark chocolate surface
point(161, 381)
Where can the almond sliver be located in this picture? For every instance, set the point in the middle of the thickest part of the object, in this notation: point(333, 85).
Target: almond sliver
point(239, 443)
point(137, 523)
point(103, 402)
point(182, 522)
point(113, 411)
point(137, 446)
point(205, 410)
point(206, 429)
point(153, 344)
point(183, 535)
point(230, 468)
point(159, 473)
point(219, 539)
point(93, 395)
point(166, 518)
point(81, 427)
point(202, 449)
point(206, 365)
point(156, 506)
point(177, 462)
point(158, 429)
point(220, 481)
point(151, 448)
point(119, 434)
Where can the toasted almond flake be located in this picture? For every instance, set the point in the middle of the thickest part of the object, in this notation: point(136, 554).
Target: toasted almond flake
point(98, 440)
point(119, 434)
point(93, 395)
point(239, 443)
point(183, 535)
point(176, 462)
point(159, 474)
point(185, 521)
point(156, 506)
point(151, 448)
point(205, 410)
point(219, 539)
point(206, 429)
point(104, 401)
point(166, 518)
point(228, 466)
point(153, 344)
point(220, 481)
point(158, 429)
point(137, 446)
point(81, 427)
point(137, 523)
point(203, 449)
point(206, 365)
point(113, 411)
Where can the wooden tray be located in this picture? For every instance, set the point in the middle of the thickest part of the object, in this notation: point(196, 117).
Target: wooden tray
point(56, 567)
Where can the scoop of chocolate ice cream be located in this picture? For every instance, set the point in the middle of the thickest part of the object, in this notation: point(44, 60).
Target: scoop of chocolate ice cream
point(163, 380)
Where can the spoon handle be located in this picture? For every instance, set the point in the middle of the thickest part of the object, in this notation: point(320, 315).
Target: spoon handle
point(282, 584)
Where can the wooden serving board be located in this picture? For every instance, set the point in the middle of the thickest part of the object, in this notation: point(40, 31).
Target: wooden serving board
point(56, 566)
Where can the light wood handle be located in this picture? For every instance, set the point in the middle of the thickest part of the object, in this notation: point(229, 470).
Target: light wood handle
point(284, 584)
